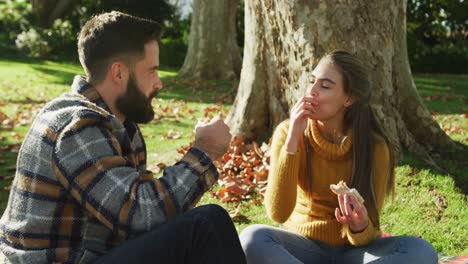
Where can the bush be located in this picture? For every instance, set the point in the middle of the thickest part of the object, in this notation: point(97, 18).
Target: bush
point(17, 33)
point(14, 17)
point(445, 57)
point(172, 52)
point(33, 43)
point(39, 43)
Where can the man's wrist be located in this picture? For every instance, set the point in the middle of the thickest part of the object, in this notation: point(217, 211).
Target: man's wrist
point(205, 158)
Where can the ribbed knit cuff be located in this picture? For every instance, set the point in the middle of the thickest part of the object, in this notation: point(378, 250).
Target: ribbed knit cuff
point(362, 238)
point(288, 164)
point(280, 197)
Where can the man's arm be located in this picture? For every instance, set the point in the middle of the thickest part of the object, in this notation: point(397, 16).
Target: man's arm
point(89, 163)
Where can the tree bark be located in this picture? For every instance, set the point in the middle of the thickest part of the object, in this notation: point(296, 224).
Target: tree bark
point(212, 50)
point(284, 39)
point(47, 11)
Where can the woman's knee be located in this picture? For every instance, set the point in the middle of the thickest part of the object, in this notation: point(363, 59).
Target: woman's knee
point(420, 250)
point(254, 237)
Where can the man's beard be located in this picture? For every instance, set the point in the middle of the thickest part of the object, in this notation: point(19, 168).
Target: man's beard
point(134, 104)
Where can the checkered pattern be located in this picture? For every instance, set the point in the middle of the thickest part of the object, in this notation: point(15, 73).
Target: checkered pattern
point(82, 188)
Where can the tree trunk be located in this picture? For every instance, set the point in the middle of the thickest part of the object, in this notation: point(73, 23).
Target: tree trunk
point(212, 51)
point(47, 11)
point(284, 39)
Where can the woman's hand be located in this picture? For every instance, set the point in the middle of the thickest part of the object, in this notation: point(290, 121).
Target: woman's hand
point(300, 113)
point(352, 212)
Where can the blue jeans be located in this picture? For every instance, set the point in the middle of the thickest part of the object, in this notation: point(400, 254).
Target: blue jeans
point(266, 244)
point(202, 235)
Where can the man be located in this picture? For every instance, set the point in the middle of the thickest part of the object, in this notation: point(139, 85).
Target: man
point(82, 193)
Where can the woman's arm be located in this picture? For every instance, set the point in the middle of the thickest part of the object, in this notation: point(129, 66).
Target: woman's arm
point(381, 163)
point(280, 197)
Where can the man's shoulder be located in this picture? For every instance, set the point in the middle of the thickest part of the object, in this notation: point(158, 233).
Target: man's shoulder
point(70, 107)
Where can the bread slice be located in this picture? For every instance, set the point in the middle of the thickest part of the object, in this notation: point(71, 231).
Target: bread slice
point(342, 188)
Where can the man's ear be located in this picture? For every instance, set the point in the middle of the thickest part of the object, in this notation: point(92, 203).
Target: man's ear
point(119, 73)
point(349, 101)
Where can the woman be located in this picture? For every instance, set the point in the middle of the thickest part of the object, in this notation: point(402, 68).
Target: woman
point(330, 136)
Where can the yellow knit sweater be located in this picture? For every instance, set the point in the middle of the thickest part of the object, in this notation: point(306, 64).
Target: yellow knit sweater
point(311, 213)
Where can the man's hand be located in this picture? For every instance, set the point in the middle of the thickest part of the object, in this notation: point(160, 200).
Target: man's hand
point(213, 138)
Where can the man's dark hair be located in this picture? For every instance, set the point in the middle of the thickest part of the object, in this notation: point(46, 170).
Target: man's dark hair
point(110, 36)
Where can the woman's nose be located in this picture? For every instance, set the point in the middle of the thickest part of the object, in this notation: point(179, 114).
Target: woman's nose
point(313, 90)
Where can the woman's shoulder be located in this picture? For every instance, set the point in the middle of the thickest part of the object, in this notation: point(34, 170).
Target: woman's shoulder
point(378, 138)
point(284, 124)
point(282, 127)
point(380, 143)
point(281, 130)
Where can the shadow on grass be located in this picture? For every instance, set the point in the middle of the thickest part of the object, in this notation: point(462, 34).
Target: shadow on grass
point(443, 93)
point(192, 90)
point(8, 161)
point(454, 83)
point(454, 164)
point(59, 76)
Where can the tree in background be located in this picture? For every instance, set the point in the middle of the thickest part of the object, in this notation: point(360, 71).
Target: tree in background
point(47, 11)
point(435, 21)
point(437, 35)
point(213, 52)
point(48, 28)
point(284, 40)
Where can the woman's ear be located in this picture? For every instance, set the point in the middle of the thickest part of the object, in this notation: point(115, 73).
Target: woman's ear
point(349, 101)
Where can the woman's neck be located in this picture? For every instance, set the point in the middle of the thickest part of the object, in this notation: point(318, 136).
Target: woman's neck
point(332, 130)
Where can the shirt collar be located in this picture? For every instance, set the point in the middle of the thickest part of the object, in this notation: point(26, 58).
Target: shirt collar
point(84, 88)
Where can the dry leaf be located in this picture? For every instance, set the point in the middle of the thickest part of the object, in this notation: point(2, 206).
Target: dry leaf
point(243, 171)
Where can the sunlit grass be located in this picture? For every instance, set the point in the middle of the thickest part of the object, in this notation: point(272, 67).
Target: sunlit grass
point(26, 84)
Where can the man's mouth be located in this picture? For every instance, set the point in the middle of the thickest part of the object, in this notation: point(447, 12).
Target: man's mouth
point(153, 95)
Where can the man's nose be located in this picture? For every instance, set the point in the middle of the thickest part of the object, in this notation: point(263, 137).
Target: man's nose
point(158, 85)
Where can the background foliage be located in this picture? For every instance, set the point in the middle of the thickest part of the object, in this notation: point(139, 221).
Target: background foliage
point(437, 35)
point(437, 31)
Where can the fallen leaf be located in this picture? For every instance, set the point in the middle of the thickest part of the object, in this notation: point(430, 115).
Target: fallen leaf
point(6, 178)
point(243, 171)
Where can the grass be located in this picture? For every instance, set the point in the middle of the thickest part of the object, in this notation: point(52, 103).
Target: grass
point(428, 203)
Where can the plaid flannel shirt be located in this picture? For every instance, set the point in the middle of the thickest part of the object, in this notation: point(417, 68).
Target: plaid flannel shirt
point(81, 185)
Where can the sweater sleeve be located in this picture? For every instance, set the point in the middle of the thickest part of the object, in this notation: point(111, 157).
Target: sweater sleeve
point(92, 167)
point(280, 197)
point(381, 163)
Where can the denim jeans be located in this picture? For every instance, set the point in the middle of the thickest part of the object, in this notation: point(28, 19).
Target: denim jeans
point(204, 234)
point(266, 244)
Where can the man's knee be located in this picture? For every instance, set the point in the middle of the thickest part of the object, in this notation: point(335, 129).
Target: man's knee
point(213, 211)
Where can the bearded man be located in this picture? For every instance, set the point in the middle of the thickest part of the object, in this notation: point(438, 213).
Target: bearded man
point(82, 193)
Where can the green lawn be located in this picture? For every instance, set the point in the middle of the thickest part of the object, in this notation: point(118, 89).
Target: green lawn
point(428, 203)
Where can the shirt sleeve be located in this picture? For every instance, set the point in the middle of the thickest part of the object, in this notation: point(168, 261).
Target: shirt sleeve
point(381, 163)
point(89, 163)
point(280, 196)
